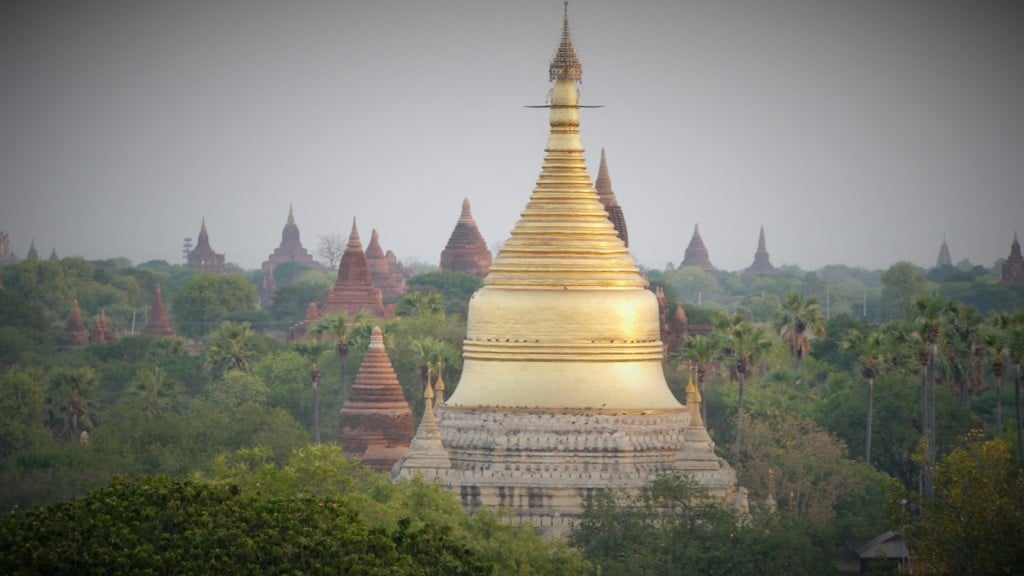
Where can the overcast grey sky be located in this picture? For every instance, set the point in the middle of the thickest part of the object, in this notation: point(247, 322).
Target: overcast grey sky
point(856, 132)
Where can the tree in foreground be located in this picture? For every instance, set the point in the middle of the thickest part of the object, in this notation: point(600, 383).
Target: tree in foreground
point(161, 525)
point(800, 322)
point(672, 526)
point(975, 522)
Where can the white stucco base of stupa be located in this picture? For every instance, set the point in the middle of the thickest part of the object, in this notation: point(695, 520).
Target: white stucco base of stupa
point(542, 465)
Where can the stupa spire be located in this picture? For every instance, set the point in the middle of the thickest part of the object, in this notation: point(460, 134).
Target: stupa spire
point(466, 250)
point(33, 255)
point(1013, 267)
point(158, 324)
point(944, 259)
point(354, 290)
point(762, 263)
point(75, 333)
point(291, 216)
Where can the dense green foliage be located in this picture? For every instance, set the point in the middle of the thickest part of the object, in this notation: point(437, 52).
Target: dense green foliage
point(236, 407)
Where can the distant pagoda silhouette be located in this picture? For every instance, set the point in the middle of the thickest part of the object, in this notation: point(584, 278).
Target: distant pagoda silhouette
point(696, 253)
point(762, 264)
point(158, 323)
point(76, 335)
point(354, 290)
point(202, 257)
point(1013, 267)
point(466, 250)
point(944, 258)
point(290, 249)
point(33, 255)
point(603, 185)
point(376, 424)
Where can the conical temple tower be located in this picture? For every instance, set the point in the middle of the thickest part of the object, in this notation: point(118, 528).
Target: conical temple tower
point(202, 257)
point(944, 259)
point(603, 184)
point(76, 335)
point(1013, 267)
point(466, 250)
point(762, 263)
point(392, 286)
point(562, 389)
point(696, 253)
point(354, 290)
point(375, 422)
point(158, 324)
point(33, 254)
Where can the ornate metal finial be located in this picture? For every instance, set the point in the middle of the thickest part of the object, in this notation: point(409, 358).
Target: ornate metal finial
point(565, 64)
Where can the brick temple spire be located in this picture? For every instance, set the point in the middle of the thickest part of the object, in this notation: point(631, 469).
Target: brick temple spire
point(391, 285)
point(603, 185)
point(53, 255)
point(354, 290)
point(696, 253)
point(158, 323)
point(376, 424)
point(466, 250)
point(202, 257)
point(75, 333)
point(33, 255)
point(101, 332)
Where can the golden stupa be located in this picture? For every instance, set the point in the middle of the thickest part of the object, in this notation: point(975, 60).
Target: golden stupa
point(562, 389)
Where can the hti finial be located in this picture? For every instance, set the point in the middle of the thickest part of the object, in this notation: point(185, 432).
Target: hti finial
point(565, 64)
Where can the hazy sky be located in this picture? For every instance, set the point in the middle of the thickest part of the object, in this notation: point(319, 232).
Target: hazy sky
point(856, 132)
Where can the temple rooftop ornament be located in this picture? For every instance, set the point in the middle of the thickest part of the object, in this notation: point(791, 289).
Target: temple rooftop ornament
point(762, 264)
point(944, 259)
point(1013, 267)
point(202, 257)
point(562, 389)
point(354, 290)
point(696, 253)
point(158, 323)
point(375, 424)
point(603, 184)
point(466, 250)
point(290, 249)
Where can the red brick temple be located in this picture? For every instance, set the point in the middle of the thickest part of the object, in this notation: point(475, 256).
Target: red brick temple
point(466, 250)
point(376, 424)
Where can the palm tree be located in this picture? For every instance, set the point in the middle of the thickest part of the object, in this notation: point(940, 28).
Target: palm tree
point(311, 349)
point(870, 350)
point(800, 322)
point(232, 347)
point(421, 304)
point(1015, 347)
point(704, 353)
point(433, 356)
point(929, 313)
point(70, 395)
point(152, 391)
point(337, 328)
point(994, 340)
point(747, 343)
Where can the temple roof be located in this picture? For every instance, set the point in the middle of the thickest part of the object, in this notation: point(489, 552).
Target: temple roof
point(762, 264)
point(696, 253)
point(466, 250)
point(1013, 267)
point(32, 255)
point(354, 289)
point(203, 257)
point(290, 249)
